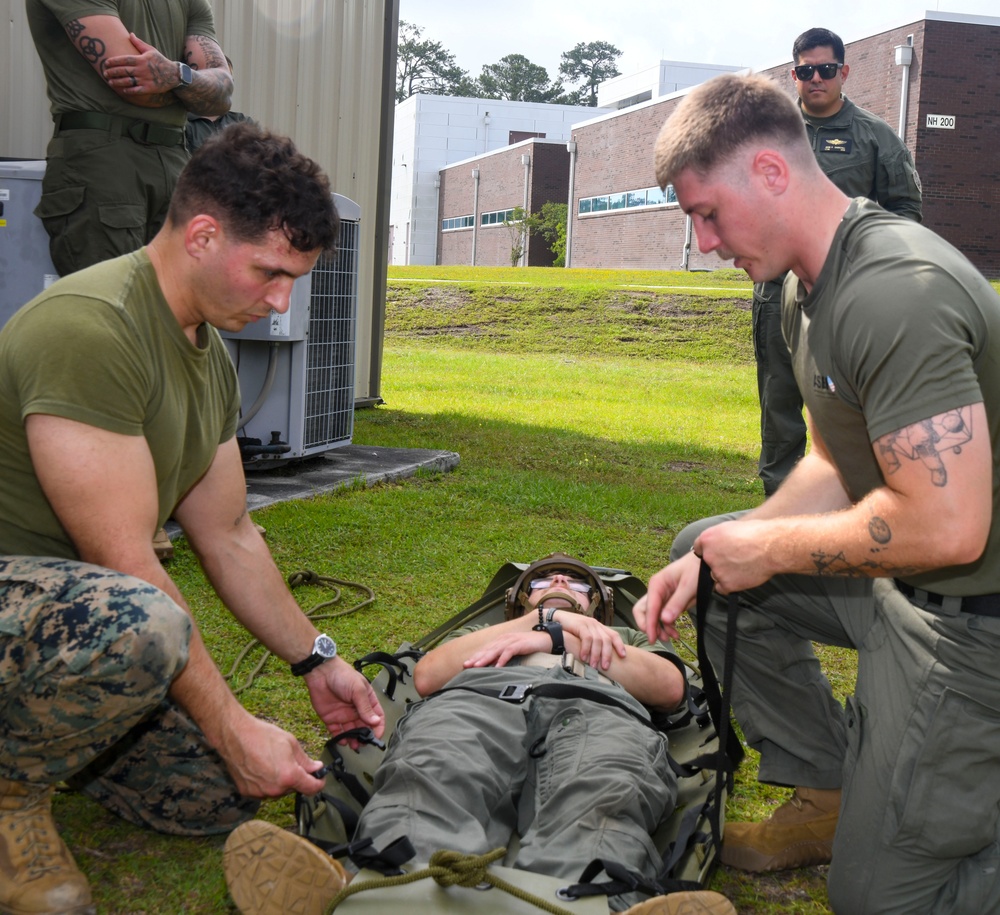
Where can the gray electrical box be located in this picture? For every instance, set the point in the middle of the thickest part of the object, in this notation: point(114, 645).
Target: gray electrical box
point(25, 266)
point(296, 370)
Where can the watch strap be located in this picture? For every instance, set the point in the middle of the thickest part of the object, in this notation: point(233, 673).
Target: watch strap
point(300, 668)
point(555, 632)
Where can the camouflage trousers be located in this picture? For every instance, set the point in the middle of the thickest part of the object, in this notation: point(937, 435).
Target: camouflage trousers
point(87, 656)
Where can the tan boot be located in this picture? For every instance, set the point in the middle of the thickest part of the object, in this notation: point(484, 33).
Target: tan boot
point(799, 833)
point(699, 902)
point(270, 871)
point(162, 545)
point(38, 875)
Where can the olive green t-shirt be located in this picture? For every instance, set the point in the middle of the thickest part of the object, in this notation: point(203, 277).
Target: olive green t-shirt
point(102, 347)
point(72, 82)
point(899, 328)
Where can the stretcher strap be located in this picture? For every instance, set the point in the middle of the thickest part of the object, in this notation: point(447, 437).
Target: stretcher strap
point(730, 753)
point(393, 664)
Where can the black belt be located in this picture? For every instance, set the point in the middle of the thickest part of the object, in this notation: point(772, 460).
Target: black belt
point(979, 604)
point(144, 132)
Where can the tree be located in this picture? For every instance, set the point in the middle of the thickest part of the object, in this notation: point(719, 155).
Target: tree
point(423, 65)
point(550, 223)
point(517, 228)
point(516, 78)
point(590, 64)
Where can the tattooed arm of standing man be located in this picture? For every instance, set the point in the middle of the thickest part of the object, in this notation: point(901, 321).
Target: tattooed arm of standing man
point(933, 510)
point(143, 76)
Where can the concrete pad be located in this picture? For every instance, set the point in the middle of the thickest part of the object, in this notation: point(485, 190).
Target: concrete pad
point(345, 466)
point(348, 465)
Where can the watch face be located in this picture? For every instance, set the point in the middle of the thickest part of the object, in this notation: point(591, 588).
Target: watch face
point(186, 75)
point(325, 647)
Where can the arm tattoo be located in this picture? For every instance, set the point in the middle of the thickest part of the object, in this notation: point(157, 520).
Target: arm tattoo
point(830, 564)
point(73, 29)
point(879, 530)
point(927, 441)
point(92, 49)
point(209, 50)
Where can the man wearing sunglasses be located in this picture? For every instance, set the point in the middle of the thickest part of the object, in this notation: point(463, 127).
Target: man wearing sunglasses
point(577, 776)
point(863, 157)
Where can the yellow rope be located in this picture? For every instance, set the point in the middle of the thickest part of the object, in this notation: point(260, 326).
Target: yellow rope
point(452, 868)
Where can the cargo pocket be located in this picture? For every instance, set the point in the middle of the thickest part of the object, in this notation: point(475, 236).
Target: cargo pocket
point(952, 804)
point(57, 206)
point(125, 222)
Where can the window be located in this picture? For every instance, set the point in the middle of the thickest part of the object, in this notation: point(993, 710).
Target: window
point(496, 217)
point(457, 222)
point(628, 200)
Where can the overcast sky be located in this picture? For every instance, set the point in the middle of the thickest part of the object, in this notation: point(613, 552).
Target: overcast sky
point(744, 33)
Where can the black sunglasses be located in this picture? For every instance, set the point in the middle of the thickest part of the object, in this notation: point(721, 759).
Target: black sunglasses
point(826, 71)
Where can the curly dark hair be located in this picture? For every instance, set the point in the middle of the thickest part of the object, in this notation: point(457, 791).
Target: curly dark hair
point(254, 181)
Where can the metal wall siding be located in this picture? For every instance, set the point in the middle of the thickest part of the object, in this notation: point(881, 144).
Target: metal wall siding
point(311, 69)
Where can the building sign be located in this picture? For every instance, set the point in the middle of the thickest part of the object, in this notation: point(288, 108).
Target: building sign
point(941, 121)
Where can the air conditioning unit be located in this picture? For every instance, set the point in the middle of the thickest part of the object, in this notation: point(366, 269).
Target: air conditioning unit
point(25, 266)
point(296, 371)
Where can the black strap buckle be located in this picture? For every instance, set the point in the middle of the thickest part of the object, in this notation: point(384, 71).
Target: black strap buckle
point(515, 692)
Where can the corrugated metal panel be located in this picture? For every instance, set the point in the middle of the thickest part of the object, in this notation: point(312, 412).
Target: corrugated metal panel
point(312, 69)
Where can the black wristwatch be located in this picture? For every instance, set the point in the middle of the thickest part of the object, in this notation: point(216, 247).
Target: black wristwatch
point(324, 649)
point(184, 74)
point(555, 633)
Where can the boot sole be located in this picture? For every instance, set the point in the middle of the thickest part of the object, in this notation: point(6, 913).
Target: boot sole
point(270, 871)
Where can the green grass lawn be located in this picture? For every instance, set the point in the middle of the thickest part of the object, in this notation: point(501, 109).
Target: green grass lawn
point(595, 412)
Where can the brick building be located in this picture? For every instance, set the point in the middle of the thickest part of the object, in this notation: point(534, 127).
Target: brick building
point(433, 131)
point(951, 124)
point(477, 194)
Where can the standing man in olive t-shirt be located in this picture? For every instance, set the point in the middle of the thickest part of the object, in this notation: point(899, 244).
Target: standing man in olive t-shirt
point(121, 76)
point(884, 538)
point(862, 156)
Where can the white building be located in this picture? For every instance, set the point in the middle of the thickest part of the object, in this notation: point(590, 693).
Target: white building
point(432, 131)
point(654, 82)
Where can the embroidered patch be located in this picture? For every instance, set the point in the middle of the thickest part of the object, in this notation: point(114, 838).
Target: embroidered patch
point(824, 383)
point(840, 145)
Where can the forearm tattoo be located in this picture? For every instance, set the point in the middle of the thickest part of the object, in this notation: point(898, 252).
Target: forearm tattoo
point(928, 441)
point(210, 88)
point(838, 564)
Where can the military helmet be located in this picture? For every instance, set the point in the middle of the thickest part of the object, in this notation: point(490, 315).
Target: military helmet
point(601, 605)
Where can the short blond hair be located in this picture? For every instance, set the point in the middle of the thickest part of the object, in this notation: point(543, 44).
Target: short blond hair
point(720, 117)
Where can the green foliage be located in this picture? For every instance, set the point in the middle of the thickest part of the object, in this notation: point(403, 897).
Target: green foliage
point(589, 64)
point(517, 228)
point(423, 65)
point(550, 223)
point(516, 78)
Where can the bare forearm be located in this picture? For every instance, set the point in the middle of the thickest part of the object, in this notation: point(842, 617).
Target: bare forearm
point(813, 487)
point(440, 664)
point(249, 583)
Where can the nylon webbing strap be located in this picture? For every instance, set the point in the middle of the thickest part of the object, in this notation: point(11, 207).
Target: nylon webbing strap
point(730, 749)
point(553, 690)
point(394, 666)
